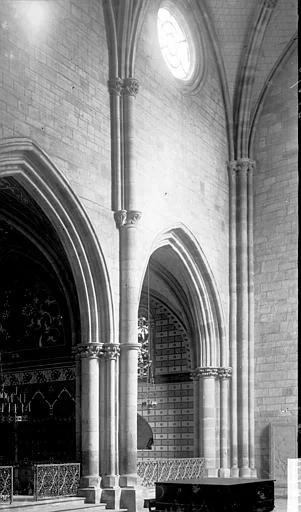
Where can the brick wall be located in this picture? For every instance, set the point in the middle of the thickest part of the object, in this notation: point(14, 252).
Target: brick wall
point(275, 246)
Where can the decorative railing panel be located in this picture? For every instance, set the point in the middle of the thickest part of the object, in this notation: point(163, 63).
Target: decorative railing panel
point(155, 470)
point(6, 484)
point(56, 480)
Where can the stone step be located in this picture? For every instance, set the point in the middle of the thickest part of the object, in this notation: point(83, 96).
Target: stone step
point(28, 504)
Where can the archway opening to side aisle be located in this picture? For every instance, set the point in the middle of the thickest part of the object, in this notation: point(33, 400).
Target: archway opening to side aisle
point(165, 387)
point(39, 326)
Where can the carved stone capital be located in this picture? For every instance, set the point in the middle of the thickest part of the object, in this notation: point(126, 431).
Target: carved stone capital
point(245, 165)
point(225, 372)
point(120, 218)
point(232, 166)
point(133, 217)
point(204, 371)
point(115, 86)
point(130, 86)
point(92, 350)
point(127, 217)
point(111, 351)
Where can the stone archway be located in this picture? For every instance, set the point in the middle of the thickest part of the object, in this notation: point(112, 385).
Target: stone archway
point(31, 169)
point(177, 256)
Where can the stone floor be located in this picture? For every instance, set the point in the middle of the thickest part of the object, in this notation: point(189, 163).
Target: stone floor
point(281, 505)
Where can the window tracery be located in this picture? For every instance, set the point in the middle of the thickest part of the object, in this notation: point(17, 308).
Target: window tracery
point(175, 43)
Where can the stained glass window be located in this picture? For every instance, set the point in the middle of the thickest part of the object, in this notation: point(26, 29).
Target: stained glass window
point(174, 43)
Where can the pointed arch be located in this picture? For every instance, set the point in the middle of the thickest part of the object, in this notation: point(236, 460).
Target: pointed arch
point(204, 301)
point(23, 160)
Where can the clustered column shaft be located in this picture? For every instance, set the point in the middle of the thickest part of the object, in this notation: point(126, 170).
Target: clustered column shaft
point(111, 354)
point(206, 420)
point(89, 369)
point(123, 93)
point(242, 317)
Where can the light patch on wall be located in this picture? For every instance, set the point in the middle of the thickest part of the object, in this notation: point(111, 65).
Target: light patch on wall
point(36, 13)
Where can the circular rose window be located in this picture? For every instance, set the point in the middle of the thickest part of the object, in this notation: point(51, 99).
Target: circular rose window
point(175, 42)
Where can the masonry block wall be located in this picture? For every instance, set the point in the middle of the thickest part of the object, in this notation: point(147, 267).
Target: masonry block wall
point(275, 246)
point(181, 154)
point(54, 91)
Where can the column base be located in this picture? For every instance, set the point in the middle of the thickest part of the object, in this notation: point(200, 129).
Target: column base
point(211, 472)
point(111, 497)
point(129, 481)
point(128, 500)
point(224, 472)
point(109, 481)
point(253, 473)
point(245, 472)
point(89, 488)
point(234, 472)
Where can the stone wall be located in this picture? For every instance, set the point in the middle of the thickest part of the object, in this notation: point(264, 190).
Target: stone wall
point(54, 91)
point(275, 247)
point(182, 154)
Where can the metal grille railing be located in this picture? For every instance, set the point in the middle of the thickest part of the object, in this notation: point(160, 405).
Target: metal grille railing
point(6, 484)
point(156, 470)
point(56, 480)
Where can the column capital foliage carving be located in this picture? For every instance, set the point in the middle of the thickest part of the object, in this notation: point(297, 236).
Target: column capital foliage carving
point(130, 86)
point(204, 371)
point(89, 350)
point(111, 351)
point(115, 86)
point(225, 372)
point(124, 86)
point(126, 218)
point(241, 165)
point(232, 166)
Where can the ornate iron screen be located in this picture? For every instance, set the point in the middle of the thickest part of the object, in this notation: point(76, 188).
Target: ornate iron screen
point(56, 480)
point(154, 470)
point(6, 484)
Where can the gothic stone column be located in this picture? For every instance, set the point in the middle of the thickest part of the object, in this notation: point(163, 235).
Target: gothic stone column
point(110, 493)
point(243, 318)
point(129, 346)
point(90, 480)
point(207, 416)
point(233, 321)
point(224, 376)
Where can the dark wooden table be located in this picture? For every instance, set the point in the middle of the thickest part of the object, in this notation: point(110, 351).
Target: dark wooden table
point(215, 495)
